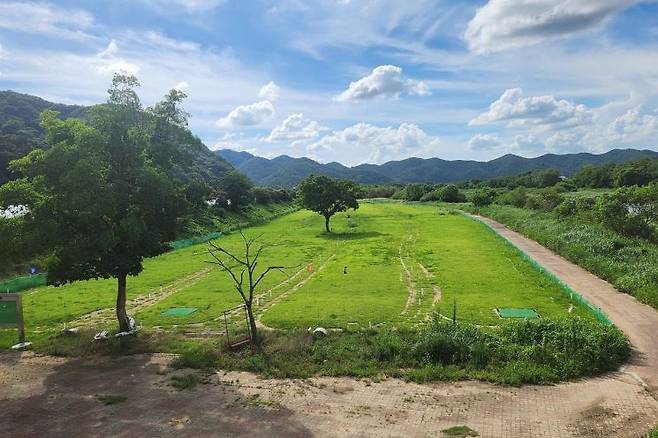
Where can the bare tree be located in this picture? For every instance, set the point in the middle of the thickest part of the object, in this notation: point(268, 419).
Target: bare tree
point(239, 266)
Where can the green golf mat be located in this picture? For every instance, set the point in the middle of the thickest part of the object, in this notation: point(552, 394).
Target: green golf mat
point(179, 311)
point(510, 312)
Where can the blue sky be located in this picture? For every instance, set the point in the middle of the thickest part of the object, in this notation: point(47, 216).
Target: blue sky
point(359, 81)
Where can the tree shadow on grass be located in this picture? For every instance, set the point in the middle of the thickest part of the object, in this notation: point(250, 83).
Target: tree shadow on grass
point(351, 236)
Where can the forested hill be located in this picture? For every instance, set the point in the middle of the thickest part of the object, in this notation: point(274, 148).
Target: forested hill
point(287, 171)
point(20, 133)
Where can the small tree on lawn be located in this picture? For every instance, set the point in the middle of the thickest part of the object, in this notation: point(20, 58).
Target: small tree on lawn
point(97, 200)
point(238, 266)
point(327, 196)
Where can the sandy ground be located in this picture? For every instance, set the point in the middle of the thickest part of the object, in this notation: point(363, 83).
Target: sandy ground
point(44, 396)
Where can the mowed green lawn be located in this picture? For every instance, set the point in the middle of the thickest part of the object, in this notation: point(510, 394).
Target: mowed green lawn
point(473, 268)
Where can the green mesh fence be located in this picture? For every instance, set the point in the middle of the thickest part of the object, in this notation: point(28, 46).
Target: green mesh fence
point(21, 283)
point(575, 296)
point(184, 243)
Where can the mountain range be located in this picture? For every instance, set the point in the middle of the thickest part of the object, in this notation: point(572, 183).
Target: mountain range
point(20, 133)
point(287, 171)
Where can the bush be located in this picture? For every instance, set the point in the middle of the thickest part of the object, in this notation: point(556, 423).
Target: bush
point(483, 197)
point(414, 192)
point(632, 211)
point(517, 197)
point(434, 195)
point(452, 194)
point(569, 207)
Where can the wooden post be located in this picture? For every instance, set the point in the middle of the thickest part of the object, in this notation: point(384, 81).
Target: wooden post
point(19, 319)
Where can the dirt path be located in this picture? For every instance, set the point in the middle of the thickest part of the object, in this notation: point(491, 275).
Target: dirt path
point(48, 396)
point(639, 321)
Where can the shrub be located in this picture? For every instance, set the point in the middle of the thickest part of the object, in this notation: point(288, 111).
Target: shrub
point(632, 211)
point(451, 193)
point(549, 199)
point(434, 195)
point(517, 197)
point(483, 197)
point(568, 207)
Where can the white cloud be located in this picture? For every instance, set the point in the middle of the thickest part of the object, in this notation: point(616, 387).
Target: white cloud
point(635, 121)
point(384, 81)
point(514, 109)
point(110, 51)
point(296, 128)
point(109, 61)
point(269, 91)
point(248, 115)
point(635, 125)
point(527, 143)
point(44, 19)
point(483, 142)
point(504, 24)
point(181, 86)
point(191, 6)
point(365, 142)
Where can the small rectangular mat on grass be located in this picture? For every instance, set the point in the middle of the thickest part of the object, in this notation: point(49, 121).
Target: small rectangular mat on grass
point(510, 312)
point(179, 311)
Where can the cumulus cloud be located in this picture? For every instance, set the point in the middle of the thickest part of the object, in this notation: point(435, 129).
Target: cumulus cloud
point(481, 142)
point(503, 24)
point(269, 91)
point(110, 62)
point(384, 81)
point(248, 115)
point(527, 143)
point(296, 128)
point(514, 109)
point(635, 122)
point(378, 144)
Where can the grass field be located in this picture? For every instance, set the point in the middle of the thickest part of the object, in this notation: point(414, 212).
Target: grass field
point(403, 262)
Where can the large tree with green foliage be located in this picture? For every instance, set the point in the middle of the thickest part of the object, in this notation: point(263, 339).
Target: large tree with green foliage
point(96, 196)
point(327, 196)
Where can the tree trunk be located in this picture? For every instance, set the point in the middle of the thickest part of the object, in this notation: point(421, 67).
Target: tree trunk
point(326, 223)
point(122, 317)
point(252, 323)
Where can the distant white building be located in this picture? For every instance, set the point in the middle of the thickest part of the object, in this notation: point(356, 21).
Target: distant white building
point(13, 211)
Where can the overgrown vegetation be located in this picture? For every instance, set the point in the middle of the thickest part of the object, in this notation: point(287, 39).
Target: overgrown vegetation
point(532, 351)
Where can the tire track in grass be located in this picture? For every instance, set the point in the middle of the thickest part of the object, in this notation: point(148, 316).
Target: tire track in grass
point(262, 295)
point(141, 302)
point(435, 288)
point(411, 285)
point(263, 309)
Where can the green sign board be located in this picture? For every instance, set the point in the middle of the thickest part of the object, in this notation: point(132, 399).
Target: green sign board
point(11, 313)
point(8, 313)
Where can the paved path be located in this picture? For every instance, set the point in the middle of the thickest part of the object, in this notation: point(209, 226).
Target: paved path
point(639, 321)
